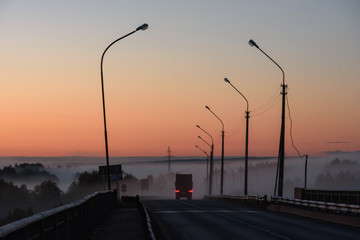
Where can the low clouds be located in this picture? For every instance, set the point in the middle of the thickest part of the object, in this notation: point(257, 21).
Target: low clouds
point(343, 152)
point(337, 142)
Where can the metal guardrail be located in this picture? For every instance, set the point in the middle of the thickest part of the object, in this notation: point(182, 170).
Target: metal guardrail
point(316, 205)
point(336, 196)
point(251, 200)
point(71, 221)
point(342, 208)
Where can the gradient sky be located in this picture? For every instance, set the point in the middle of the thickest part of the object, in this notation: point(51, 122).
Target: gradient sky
point(158, 81)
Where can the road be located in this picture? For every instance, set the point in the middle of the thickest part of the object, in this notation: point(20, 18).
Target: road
point(214, 219)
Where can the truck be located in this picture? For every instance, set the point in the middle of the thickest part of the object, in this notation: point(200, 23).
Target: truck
point(183, 186)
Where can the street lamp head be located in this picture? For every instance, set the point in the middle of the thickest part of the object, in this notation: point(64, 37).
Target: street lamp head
point(142, 27)
point(226, 80)
point(196, 146)
point(207, 107)
point(253, 44)
point(199, 137)
point(198, 126)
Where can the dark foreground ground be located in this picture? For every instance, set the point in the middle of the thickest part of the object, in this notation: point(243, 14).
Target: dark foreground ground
point(122, 223)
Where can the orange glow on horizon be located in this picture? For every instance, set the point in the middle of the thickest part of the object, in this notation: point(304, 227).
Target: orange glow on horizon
point(158, 81)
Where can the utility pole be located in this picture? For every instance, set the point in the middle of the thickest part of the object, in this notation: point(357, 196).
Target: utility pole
point(282, 143)
point(246, 137)
point(222, 152)
point(305, 178)
point(246, 152)
point(281, 156)
point(211, 158)
point(211, 168)
point(207, 165)
point(169, 155)
point(142, 27)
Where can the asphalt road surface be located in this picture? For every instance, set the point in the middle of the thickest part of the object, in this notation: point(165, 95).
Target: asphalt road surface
point(213, 219)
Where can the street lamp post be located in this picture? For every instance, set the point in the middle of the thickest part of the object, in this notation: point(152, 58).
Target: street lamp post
point(142, 27)
point(305, 177)
point(222, 152)
point(207, 162)
point(281, 155)
point(246, 138)
point(207, 169)
point(211, 159)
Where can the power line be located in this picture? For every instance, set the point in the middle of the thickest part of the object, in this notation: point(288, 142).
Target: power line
point(291, 126)
point(273, 103)
point(270, 103)
point(235, 129)
point(274, 95)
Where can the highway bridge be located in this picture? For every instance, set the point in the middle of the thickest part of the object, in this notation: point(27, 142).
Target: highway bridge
point(97, 217)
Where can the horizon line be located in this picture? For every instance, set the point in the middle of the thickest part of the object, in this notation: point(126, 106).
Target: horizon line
point(198, 156)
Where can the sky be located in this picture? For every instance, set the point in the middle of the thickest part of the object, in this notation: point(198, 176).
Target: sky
point(158, 81)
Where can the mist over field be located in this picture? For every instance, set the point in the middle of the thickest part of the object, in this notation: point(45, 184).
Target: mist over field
point(335, 171)
point(32, 184)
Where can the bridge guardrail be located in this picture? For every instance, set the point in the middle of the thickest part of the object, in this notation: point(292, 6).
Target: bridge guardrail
point(316, 205)
point(71, 221)
point(251, 200)
point(342, 208)
point(337, 196)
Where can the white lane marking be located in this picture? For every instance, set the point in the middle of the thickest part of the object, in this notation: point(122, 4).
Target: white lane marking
point(253, 226)
point(239, 221)
point(202, 211)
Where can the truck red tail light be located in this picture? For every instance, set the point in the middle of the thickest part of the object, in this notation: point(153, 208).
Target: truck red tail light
point(191, 191)
point(177, 190)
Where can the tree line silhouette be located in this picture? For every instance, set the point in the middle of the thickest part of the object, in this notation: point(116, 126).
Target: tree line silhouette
point(17, 202)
